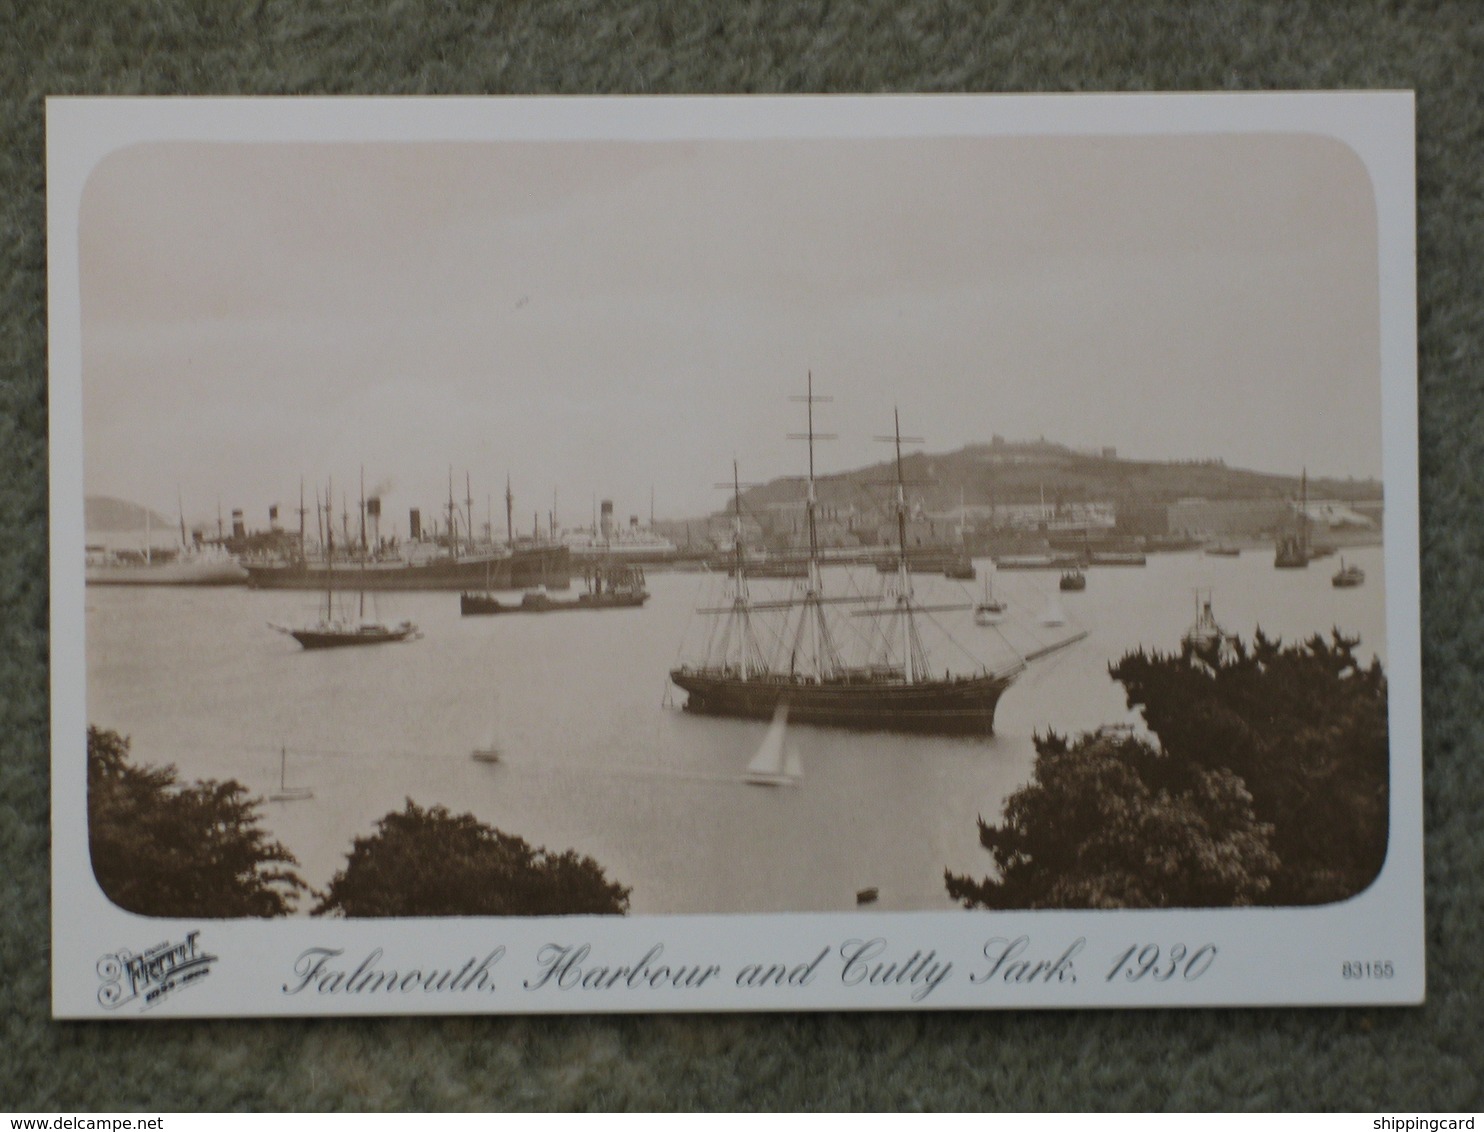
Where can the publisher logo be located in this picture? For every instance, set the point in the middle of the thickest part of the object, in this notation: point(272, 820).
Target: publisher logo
point(155, 974)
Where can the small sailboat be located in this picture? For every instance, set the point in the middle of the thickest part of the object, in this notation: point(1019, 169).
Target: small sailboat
point(991, 610)
point(1348, 577)
point(1053, 615)
point(488, 751)
point(776, 762)
point(285, 792)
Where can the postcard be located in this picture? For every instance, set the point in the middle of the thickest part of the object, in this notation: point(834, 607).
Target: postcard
point(688, 554)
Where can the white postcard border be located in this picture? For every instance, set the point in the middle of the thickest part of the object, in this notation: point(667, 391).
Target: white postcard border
point(943, 960)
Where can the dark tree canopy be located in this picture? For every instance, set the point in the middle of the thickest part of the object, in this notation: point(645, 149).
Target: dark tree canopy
point(432, 863)
point(161, 848)
point(1269, 785)
point(1110, 822)
point(1305, 728)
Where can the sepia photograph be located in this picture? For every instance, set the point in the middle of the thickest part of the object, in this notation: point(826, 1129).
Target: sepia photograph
point(777, 523)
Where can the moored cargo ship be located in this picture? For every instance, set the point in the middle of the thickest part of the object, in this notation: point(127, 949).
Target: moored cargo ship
point(525, 567)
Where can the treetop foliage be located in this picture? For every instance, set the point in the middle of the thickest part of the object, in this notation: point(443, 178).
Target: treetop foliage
point(430, 862)
point(163, 848)
point(1267, 783)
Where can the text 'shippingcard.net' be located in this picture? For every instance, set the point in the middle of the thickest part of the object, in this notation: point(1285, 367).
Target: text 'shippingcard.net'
point(692, 554)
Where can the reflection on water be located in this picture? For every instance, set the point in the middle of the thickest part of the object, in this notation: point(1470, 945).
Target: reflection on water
point(593, 760)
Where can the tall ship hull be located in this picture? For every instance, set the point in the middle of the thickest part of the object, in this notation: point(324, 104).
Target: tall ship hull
point(548, 566)
point(961, 706)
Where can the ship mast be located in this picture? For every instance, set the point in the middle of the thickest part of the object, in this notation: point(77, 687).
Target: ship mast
point(329, 551)
point(453, 528)
point(509, 514)
point(362, 613)
point(825, 653)
point(469, 511)
point(1304, 513)
point(914, 656)
point(741, 601)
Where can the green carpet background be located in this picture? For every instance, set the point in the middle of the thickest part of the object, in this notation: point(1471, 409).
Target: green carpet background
point(1426, 1058)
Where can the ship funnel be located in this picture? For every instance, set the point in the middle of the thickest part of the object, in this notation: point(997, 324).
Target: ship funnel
point(239, 527)
point(415, 525)
point(605, 520)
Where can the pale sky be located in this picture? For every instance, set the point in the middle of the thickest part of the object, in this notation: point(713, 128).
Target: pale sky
point(597, 319)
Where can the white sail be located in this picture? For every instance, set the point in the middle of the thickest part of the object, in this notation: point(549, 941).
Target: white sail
point(1053, 614)
point(776, 762)
point(793, 769)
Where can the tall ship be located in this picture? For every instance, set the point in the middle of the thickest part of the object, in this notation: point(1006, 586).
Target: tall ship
point(897, 686)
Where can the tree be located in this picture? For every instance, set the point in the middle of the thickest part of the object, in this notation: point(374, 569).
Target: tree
point(1111, 822)
point(1305, 728)
point(1269, 784)
point(161, 848)
point(432, 863)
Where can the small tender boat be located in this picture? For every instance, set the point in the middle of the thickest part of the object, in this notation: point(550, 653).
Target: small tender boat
point(1347, 577)
point(990, 611)
point(1073, 580)
point(867, 895)
point(961, 568)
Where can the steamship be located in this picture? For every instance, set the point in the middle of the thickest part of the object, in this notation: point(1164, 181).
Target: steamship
point(450, 563)
point(609, 540)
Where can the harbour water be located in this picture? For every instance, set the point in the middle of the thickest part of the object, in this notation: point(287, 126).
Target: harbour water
point(593, 759)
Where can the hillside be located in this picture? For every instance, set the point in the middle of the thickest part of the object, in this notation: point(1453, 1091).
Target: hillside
point(1005, 473)
point(105, 513)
